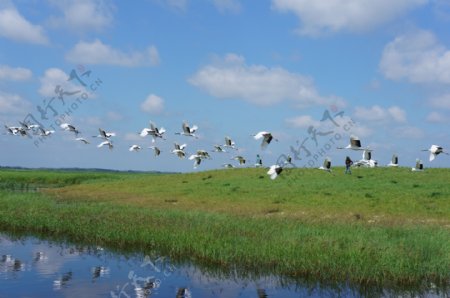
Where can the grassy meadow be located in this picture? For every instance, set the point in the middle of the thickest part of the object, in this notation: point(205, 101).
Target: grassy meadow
point(382, 226)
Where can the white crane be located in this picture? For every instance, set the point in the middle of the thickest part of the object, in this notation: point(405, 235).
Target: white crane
point(203, 154)
point(179, 150)
point(28, 126)
point(258, 163)
point(153, 131)
point(156, 149)
point(288, 161)
point(435, 150)
point(240, 159)
point(17, 130)
point(23, 132)
point(14, 130)
point(229, 143)
point(266, 137)
point(187, 130)
point(197, 159)
point(105, 135)
point(106, 143)
point(45, 133)
point(394, 161)
point(274, 171)
point(179, 147)
point(366, 160)
point(83, 140)
point(228, 165)
point(70, 127)
point(355, 144)
point(179, 153)
point(419, 166)
point(218, 148)
point(326, 165)
point(134, 148)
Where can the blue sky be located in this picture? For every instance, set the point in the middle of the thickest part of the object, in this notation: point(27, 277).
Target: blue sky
point(231, 67)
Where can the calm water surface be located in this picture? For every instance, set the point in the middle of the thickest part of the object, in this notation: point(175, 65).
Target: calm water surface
point(30, 267)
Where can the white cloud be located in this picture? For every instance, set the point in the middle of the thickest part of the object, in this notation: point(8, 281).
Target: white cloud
point(14, 73)
point(224, 6)
point(303, 121)
point(13, 104)
point(348, 126)
point(133, 137)
point(321, 16)
point(153, 55)
point(379, 114)
point(54, 77)
point(435, 117)
point(361, 131)
point(231, 78)
point(397, 114)
point(441, 9)
point(14, 26)
point(179, 5)
point(441, 102)
point(409, 132)
point(82, 15)
point(114, 116)
point(97, 52)
point(93, 121)
point(417, 57)
point(374, 113)
point(153, 104)
point(343, 125)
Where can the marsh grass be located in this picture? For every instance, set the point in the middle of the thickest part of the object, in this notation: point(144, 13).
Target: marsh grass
point(309, 224)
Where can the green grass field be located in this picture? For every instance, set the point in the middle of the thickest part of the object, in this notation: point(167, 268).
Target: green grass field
point(382, 225)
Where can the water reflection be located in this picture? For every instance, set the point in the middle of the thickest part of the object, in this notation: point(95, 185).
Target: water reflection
point(99, 271)
point(10, 264)
point(62, 281)
point(34, 268)
point(261, 293)
point(183, 293)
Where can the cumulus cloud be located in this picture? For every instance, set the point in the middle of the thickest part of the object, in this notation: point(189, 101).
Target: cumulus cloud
point(303, 121)
point(409, 132)
point(436, 117)
point(178, 5)
point(114, 116)
point(341, 124)
point(231, 78)
point(93, 121)
point(328, 16)
point(15, 27)
point(97, 52)
point(54, 77)
point(133, 137)
point(441, 102)
point(14, 73)
point(153, 104)
point(13, 104)
point(397, 114)
point(82, 15)
point(224, 6)
point(417, 57)
point(379, 114)
point(361, 131)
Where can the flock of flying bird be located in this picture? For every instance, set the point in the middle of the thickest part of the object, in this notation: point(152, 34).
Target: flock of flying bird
point(27, 129)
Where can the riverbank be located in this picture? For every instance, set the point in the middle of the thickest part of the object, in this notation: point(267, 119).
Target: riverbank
point(381, 226)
